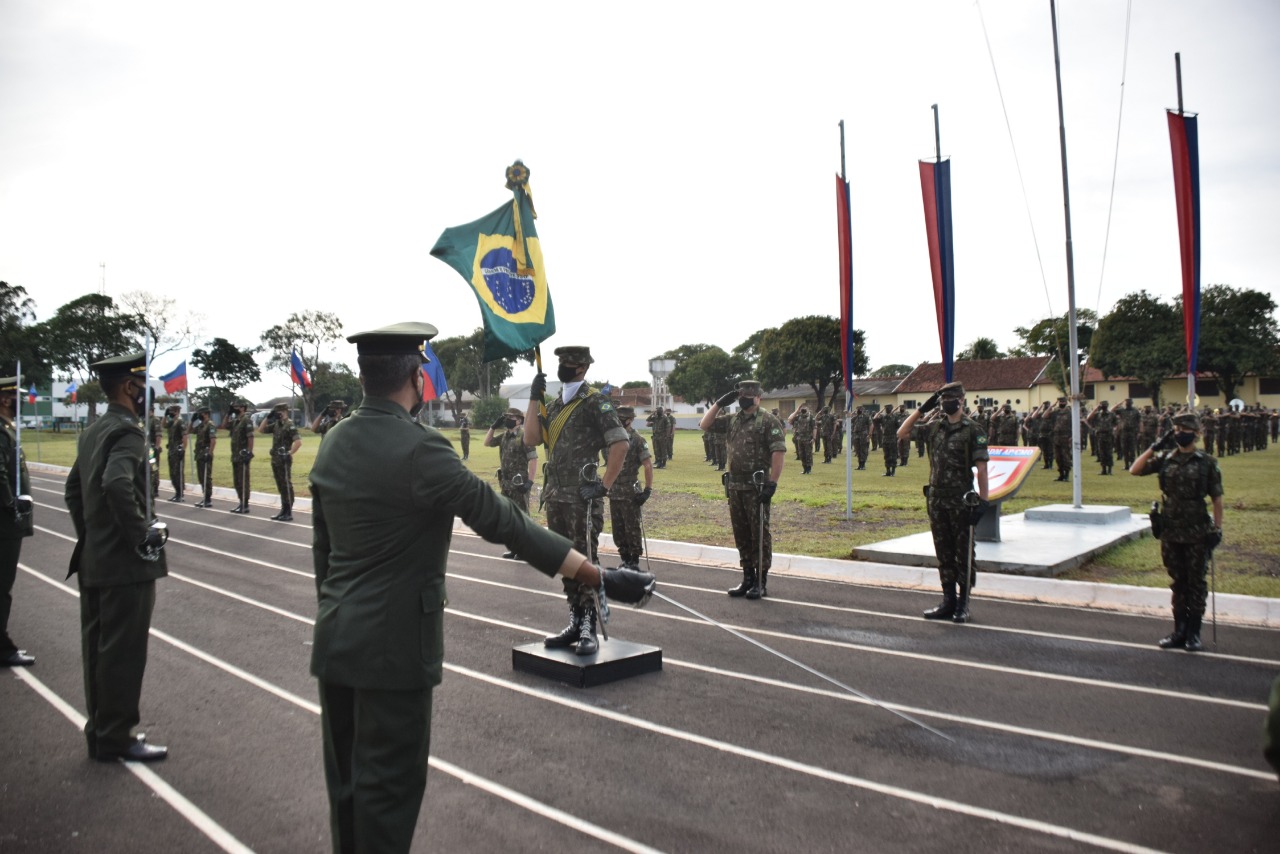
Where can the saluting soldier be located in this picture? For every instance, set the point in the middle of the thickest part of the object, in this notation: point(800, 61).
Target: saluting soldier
point(176, 432)
point(957, 445)
point(385, 491)
point(518, 463)
point(803, 428)
point(285, 442)
point(1188, 536)
point(1103, 421)
point(116, 562)
point(155, 444)
point(757, 450)
point(240, 426)
point(657, 422)
point(719, 439)
point(1062, 438)
point(859, 428)
point(889, 438)
point(579, 425)
point(626, 500)
point(333, 413)
point(464, 435)
point(16, 521)
point(205, 435)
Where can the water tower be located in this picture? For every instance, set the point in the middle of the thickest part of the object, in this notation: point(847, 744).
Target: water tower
point(660, 369)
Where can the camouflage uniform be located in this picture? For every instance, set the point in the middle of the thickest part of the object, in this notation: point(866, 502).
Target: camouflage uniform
point(204, 433)
point(283, 434)
point(513, 459)
point(753, 439)
point(1209, 424)
point(904, 445)
point(335, 412)
point(464, 435)
point(625, 503)
point(658, 420)
point(802, 430)
point(1103, 421)
point(888, 422)
point(1007, 427)
point(1045, 421)
point(859, 427)
point(1129, 421)
point(155, 444)
point(719, 438)
point(240, 426)
point(1148, 423)
point(1062, 439)
point(1186, 480)
point(176, 433)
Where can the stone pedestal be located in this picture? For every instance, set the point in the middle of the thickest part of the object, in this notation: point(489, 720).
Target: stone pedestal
point(614, 660)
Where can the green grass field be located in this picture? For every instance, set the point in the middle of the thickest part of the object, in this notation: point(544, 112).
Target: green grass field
point(809, 511)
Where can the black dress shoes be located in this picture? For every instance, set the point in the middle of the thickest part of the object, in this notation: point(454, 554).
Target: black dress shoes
point(139, 751)
point(18, 658)
point(284, 517)
point(509, 555)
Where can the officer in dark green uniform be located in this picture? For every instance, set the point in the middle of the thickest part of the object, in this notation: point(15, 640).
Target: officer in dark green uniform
point(577, 427)
point(285, 442)
point(240, 426)
point(385, 491)
point(1188, 537)
point(757, 448)
point(15, 516)
point(956, 446)
point(204, 433)
point(117, 559)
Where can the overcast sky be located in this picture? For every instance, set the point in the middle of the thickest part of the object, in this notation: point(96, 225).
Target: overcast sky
point(253, 159)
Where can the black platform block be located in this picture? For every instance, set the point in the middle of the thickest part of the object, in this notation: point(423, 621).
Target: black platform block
point(616, 659)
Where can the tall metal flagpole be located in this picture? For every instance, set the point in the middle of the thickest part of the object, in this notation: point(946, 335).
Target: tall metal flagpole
point(1073, 345)
point(17, 429)
point(847, 439)
point(1191, 377)
point(147, 447)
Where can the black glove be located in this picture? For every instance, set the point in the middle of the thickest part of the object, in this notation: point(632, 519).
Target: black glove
point(726, 399)
point(22, 507)
point(593, 490)
point(767, 489)
point(246, 455)
point(157, 535)
point(1213, 539)
point(931, 403)
point(642, 497)
point(629, 586)
point(976, 512)
point(538, 389)
point(525, 487)
point(500, 424)
point(1165, 441)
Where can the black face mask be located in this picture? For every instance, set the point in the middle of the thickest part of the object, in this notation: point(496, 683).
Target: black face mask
point(140, 399)
point(746, 402)
point(951, 407)
point(1184, 439)
point(566, 373)
point(419, 385)
point(509, 423)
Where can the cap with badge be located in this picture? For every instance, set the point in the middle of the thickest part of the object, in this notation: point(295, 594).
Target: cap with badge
point(626, 412)
point(398, 339)
point(1189, 420)
point(575, 355)
point(10, 383)
point(750, 388)
point(127, 365)
point(955, 389)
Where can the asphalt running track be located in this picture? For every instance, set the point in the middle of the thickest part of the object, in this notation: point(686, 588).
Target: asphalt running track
point(1065, 729)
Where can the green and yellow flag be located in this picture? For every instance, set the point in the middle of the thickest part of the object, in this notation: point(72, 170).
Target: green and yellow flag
point(500, 257)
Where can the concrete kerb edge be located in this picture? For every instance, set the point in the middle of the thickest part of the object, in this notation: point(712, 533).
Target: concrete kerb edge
point(266, 499)
point(1232, 608)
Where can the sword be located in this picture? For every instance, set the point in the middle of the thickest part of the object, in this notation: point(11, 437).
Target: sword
point(854, 691)
point(758, 479)
point(644, 538)
point(157, 532)
point(18, 502)
point(1213, 588)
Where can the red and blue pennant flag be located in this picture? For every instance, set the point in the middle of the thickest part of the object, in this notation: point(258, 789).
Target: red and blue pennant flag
point(433, 372)
point(32, 395)
point(500, 256)
point(844, 237)
point(72, 390)
point(935, 183)
point(1184, 137)
point(175, 380)
point(298, 371)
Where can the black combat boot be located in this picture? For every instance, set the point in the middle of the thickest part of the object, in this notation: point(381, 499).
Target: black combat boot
point(1193, 642)
point(961, 614)
point(569, 634)
point(893, 470)
point(1178, 639)
point(759, 591)
point(888, 472)
point(748, 582)
point(947, 608)
point(862, 466)
point(587, 644)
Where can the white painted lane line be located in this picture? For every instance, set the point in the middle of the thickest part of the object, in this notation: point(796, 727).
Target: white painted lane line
point(484, 784)
point(215, 832)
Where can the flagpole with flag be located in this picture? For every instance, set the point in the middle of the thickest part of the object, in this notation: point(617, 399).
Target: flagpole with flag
point(844, 239)
point(435, 385)
point(935, 184)
point(1184, 138)
point(298, 374)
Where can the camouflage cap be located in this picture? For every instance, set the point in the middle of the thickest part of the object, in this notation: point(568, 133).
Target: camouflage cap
point(1187, 419)
point(127, 365)
point(280, 407)
point(1062, 400)
point(574, 355)
point(338, 404)
point(1104, 404)
point(515, 413)
point(955, 389)
point(204, 410)
point(398, 339)
point(626, 412)
point(750, 388)
point(173, 408)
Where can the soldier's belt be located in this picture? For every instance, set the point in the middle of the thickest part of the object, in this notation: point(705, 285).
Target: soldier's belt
point(948, 490)
point(734, 477)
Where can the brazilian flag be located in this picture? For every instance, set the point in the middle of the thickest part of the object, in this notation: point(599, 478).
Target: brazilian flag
point(500, 257)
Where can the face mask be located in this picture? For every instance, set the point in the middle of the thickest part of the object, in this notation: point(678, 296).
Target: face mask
point(1184, 439)
point(951, 407)
point(566, 373)
point(746, 402)
point(509, 423)
point(419, 385)
point(140, 399)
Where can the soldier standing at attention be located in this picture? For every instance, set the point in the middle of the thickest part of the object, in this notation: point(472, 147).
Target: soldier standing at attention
point(802, 427)
point(385, 492)
point(464, 435)
point(625, 502)
point(859, 428)
point(719, 439)
point(205, 436)
point(1103, 422)
point(658, 422)
point(1062, 439)
point(155, 444)
point(1128, 418)
point(285, 442)
point(117, 559)
point(579, 425)
point(518, 463)
point(889, 439)
point(1188, 536)
point(904, 444)
point(757, 451)
point(240, 426)
point(176, 433)
point(956, 446)
point(15, 516)
point(333, 413)
point(1148, 422)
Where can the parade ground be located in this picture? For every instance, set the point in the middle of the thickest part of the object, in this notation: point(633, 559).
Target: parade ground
point(1035, 728)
